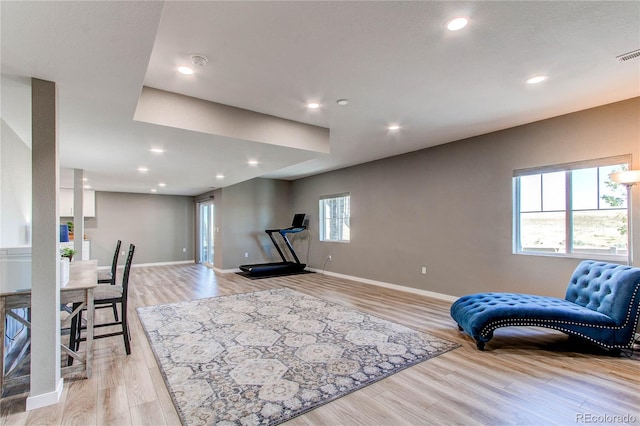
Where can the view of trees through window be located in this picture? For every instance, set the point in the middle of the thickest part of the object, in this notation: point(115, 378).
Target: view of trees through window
point(577, 211)
point(335, 213)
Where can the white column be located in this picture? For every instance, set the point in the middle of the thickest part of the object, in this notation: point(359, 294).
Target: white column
point(46, 384)
point(78, 212)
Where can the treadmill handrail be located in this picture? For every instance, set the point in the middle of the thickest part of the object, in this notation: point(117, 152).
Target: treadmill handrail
point(292, 230)
point(286, 230)
point(283, 233)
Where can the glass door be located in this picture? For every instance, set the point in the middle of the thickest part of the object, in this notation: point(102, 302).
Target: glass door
point(206, 233)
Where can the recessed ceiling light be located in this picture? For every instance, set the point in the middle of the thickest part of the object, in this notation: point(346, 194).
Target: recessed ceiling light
point(185, 70)
point(342, 102)
point(313, 105)
point(393, 127)
point(143, 169)
point(85, 179)
point(536, 79)
point(157, 150)
point(162, 184)
point(252, 162)
point(87, 186)
point(458, 23)
point(153, 190)
point(219, 176)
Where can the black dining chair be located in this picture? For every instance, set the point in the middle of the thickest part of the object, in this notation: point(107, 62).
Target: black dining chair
point(110, 278)
point(105, 296)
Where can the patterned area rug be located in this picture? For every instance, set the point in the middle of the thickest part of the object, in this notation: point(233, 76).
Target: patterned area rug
point(263, 358)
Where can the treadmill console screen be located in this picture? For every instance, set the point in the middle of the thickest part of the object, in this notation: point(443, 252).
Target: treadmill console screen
point(298, 220)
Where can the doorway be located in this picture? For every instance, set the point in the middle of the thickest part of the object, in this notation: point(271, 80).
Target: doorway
point(206, 233)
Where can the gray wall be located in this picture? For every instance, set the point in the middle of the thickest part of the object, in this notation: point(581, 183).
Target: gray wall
point(160, 226)
point(449, 208)
point(243, 212)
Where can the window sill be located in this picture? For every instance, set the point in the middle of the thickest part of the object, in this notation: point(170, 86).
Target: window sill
point(581, 256)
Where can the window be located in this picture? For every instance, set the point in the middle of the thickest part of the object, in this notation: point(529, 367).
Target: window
point(571, 210)
point(335, 211)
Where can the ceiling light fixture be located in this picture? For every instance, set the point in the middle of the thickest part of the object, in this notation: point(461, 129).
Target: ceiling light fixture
point(162, 184)
point(393, 127)
point(87, 186)
point(85, 179)
point(219, 176)
point(252, 162)
point(342, 102)
point(157, 150)
point(458, 23)
point(313, 105)
point(143, 169)
point(536, 79)
point(153, 190)
point(185, 70)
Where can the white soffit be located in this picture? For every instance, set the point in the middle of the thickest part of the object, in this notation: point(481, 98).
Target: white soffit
point(184, 112)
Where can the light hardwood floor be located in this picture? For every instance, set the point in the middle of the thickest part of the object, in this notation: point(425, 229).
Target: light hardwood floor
point(526, 376)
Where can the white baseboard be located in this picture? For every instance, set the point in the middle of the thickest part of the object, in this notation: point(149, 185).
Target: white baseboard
point(139, 265)
point(177, 262)
point(440, 296)
point(45, 399)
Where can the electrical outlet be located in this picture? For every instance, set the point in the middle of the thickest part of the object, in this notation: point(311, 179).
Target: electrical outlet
point(246, 255)
point(424, 270)
point(123, 253)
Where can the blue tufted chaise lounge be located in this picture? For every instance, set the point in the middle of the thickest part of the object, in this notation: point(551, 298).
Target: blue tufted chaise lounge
point(601, 305)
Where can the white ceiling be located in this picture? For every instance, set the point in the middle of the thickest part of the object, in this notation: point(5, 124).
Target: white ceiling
point(393, 61)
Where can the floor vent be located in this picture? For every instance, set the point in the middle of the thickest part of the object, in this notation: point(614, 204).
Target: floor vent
point(628, 56)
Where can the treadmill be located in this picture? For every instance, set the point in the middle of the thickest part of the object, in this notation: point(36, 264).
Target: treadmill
point(285, 267)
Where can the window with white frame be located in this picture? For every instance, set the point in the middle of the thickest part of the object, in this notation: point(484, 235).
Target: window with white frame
point(571, 210)
point(335, 212)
